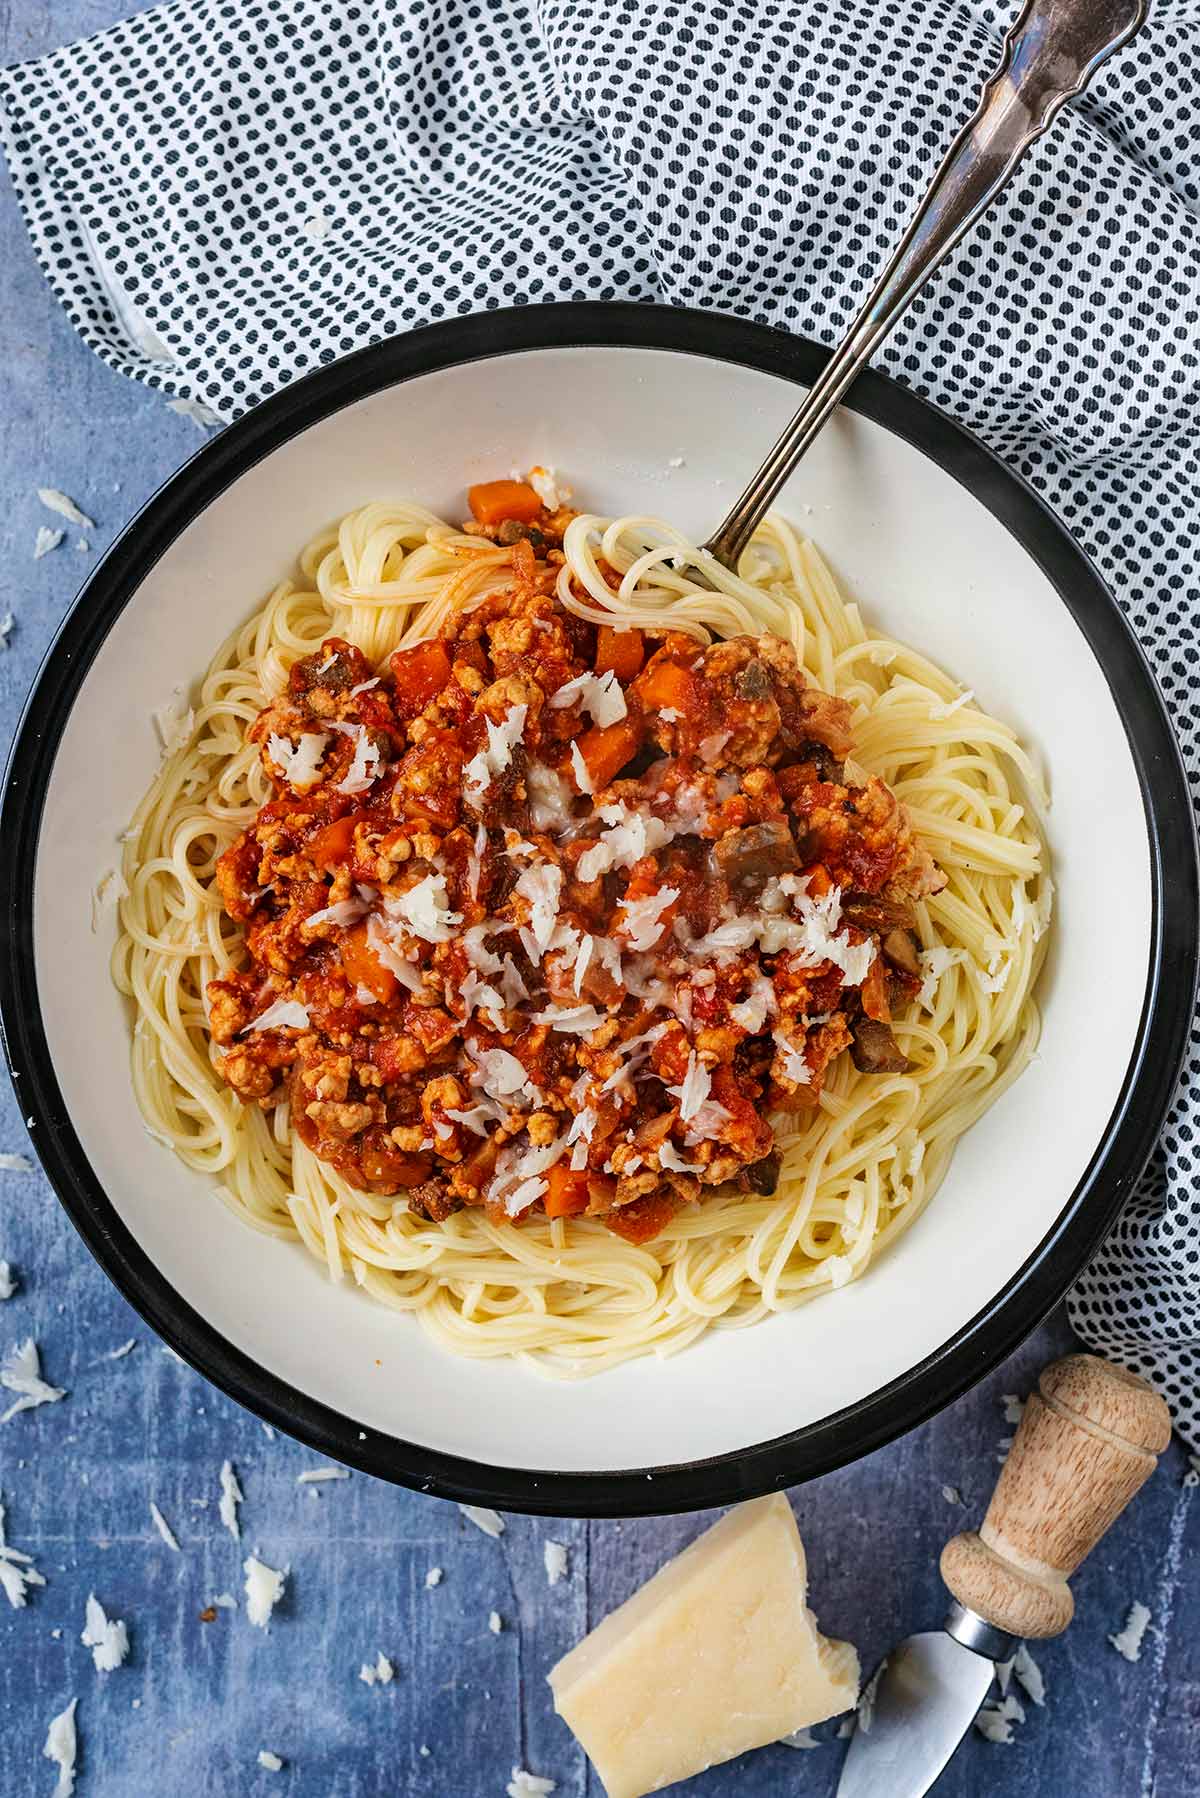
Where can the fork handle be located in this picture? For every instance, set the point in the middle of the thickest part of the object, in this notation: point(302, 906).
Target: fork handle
point(1050, 53)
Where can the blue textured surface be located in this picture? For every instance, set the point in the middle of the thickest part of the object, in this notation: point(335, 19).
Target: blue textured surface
point(196, 1701)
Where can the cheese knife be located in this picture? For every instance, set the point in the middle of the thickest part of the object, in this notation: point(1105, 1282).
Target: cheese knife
point(1087, 1440)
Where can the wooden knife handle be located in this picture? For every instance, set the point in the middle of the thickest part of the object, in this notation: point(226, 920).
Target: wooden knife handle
point(1088, 1438)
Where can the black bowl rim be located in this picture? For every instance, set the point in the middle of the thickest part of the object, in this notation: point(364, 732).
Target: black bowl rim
point(1086, 1216)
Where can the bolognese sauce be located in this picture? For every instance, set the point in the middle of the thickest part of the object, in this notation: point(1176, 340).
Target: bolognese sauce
point(550, 917)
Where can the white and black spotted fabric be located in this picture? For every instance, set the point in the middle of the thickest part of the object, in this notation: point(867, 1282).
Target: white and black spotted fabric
point(225, 194)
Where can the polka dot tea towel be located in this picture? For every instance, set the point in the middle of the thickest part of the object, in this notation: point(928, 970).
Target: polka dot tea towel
point(224, 193)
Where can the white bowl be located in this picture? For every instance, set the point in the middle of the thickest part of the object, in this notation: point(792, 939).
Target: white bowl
point(944, 549)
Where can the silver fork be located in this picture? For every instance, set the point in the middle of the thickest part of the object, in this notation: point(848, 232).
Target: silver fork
point(1049, 55)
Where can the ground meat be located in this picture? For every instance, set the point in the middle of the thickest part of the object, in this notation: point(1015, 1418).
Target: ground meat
point(549, 957)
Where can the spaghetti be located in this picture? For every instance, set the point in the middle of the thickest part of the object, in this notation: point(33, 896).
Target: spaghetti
point(565, 1293)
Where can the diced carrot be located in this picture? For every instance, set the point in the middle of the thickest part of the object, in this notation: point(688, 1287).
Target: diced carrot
point(644, 1218)
point(874, 993)
point(494, 501)
point(665, 684)
point(566, 1192)
point(619, 652)
point(364, 968)
point(420, 672)
point(606, 750)
point(333, 843)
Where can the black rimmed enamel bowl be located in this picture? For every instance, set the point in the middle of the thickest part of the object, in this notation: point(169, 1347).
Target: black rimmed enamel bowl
point(945, 549)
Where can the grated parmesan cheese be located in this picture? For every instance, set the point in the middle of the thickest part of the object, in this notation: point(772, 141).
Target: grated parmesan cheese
point(484, 1518)
point(264, 1589)
point(6, 625)
point(495, 1622)
point(21, 1373)
point(800, 1738)
point(108, 1641)
point(284, 1014)
point(8, 1284)
point(15, 1164)
point(381, 1674)
point(17, 1571)
point(366, 764)
point(270, 1761)
point(163, 1527)
point(425, 909)
point(554, 1559)
point(994, 1722)
point(528, 1785)
point(952, 1495)
point(599, 695)
point(60, 1747)
point(572, 1020)
point(433, 1578)
point(642, 923)
point(1029, 1675)
point(300, 763)
point(1128, 1641)
point(316, 225)
point(502, 738)
point(66, 508)
point(202, 416)
point(794, 1066)
point(316, 1474)
point(45, 541)
point(546, 487)
point(694, 1089)
point(342, 914)
point(231, 1497)
point(579, 768)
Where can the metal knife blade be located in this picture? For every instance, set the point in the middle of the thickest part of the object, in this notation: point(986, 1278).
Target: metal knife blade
point(930, 1691)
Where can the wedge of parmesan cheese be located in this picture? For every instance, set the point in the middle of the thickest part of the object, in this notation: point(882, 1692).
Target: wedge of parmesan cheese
point(718, 1653)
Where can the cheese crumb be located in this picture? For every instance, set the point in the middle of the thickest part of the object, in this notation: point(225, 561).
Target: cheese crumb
point(952, 1495)
point(15, 1164)
point(45, 541)
point(381, 1674)
point(316, 225)
point(800, 1738)
point(1013, 1407)
point(270, 1761)
point(484, 1518)
point(108, 1641)
point(264, 1588)
point(528, 1785)
point(554, 1559)
point(66, 508)
point(17, 1571)
point(316, 1474)
point(495, 1622)
point(163, 1527)
point(119, 1354)
point(433, 1578)
point(994, 1722)
point(8, 1284)
point(60, 1748)
point(231, 1497)
point(1129, 1640)
point(202, 416)
point(22, 1373)
point(1029, 1675)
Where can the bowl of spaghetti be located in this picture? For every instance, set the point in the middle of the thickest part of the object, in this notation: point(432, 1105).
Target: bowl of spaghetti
point(552, 1021)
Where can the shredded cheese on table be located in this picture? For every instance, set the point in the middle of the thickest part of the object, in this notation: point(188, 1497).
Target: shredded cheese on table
point(264, 1589)
point(484, 1518)
point(21, 1373)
